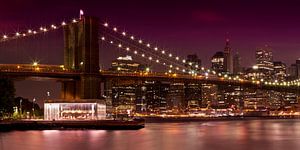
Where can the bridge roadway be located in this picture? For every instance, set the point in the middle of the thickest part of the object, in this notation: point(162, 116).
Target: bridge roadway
point(58, 72)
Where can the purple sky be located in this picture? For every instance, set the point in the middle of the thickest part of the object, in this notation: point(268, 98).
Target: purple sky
point(182, 27)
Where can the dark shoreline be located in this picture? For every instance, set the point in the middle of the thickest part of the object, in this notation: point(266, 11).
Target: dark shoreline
point(71, 125)
point(206, 119)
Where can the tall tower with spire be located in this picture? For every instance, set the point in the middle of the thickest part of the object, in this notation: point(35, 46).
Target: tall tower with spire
point(228, 63)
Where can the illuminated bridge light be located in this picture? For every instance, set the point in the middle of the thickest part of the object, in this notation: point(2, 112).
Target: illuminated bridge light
point(132, 37)
point(29, 31)
point(148, 45)
point(24, 34)
point(170, 55)
point(34, 32)
point(17, 34)
point(143, 55)
point(177, 58)
point(140, 41)
point(105, 24)
point(183, 70)
point(111, 42)
point(5, 36)
point(115, 29)
point(127, 48)
point(155, 48)
point(157, 60)
point(177, 68)
point(150, 58)
point(53, 26)
point(124, 33)
point(74, 20)
point(63, 23)
point(171, 66)
point(163, 52)
point(135, 52)
point(183, 60)
point(103, 38)
point(120, 45)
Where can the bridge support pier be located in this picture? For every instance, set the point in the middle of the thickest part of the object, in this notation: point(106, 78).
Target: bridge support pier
point(81, 53)
point(70, 90)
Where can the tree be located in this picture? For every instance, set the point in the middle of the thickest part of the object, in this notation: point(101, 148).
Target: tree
point(27, 106)
point(7, 94)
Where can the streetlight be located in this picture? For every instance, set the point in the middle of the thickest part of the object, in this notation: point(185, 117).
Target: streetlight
point(33, 107)
point(21, 108)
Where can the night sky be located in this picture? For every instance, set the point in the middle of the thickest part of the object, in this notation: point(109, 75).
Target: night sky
point(184, 27)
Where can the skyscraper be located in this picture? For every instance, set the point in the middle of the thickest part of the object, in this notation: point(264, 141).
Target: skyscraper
point(237, 63)
point(264, 58)
point(228, 65)
point(264, 62)
point(279, 71)
point(218, 62)
point(194, 63)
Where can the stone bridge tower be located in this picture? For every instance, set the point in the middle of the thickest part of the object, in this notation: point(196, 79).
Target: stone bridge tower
point(81, 53)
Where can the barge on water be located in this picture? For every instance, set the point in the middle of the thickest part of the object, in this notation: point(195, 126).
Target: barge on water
point(72, 125)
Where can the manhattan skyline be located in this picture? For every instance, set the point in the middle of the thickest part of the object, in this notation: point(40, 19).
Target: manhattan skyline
point(182, 28)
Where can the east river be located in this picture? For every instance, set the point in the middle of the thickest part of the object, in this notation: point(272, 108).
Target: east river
point(214, 135)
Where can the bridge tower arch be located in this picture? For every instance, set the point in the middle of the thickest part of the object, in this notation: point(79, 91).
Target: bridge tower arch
point(81, 53)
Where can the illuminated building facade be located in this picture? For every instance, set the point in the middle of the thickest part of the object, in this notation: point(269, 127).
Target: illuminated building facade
point(218, 62)
point(279, 71)
point(123, 98)
point(193, 62)
point(77, 110)
point(156, 96)
point(264, 62)
point(126, 64)
point(192, 92)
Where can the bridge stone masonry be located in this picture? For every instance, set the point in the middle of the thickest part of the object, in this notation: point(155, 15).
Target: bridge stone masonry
point(81, 53)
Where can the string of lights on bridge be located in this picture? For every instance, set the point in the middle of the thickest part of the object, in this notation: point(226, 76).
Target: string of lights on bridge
point(172, 67)
point(177, 59)
point(32, 32)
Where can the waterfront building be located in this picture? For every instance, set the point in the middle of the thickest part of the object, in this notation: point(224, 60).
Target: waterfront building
point(83, 109)
point(192, 92)
point(176, 100)
point(208, 95)
point(123, 98)
point(156, 96)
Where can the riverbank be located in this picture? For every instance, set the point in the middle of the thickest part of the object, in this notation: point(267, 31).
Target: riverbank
point(72, 125)
point(205, 119)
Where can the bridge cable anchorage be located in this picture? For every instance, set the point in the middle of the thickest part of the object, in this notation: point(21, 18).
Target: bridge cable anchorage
point(155, 49)
point(32, 32)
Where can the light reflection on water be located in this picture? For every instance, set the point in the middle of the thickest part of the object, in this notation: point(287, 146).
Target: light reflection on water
point(231, 135)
